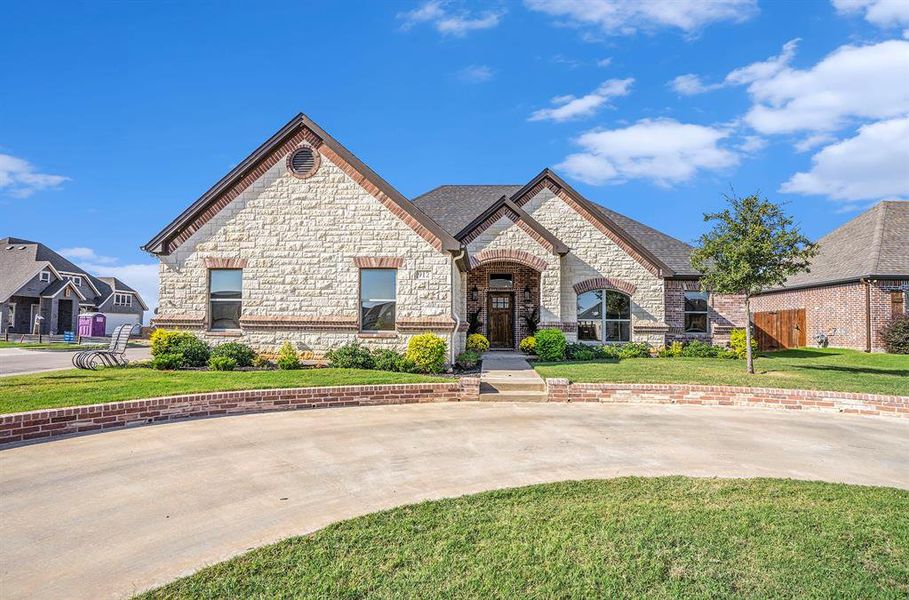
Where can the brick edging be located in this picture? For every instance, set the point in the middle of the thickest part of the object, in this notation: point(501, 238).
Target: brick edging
point(560, 390)
point(45, 424)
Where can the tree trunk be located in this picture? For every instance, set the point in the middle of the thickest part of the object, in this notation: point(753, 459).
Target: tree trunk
point(748, 356)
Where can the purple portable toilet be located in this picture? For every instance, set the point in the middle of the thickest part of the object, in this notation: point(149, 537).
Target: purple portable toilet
point(92, 325)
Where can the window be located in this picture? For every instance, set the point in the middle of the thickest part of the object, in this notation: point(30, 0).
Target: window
point(44, 276)
point(501, 281)
point(696, 312)
point(12, 314)
point(378, 298)
point(225, 292)
point(604, 316)
point(76, 279)
point(123, 300)
point(501, 302)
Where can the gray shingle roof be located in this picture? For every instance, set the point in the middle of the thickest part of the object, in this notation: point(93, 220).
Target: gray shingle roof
point(455, 206)
point(875, 243)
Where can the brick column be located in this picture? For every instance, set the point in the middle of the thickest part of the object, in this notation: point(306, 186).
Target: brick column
point(558, 390)
point(470, 388)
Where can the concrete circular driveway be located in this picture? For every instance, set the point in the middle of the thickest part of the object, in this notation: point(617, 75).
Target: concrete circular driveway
point(105, 516)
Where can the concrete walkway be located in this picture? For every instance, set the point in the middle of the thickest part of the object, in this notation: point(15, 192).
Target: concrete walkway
point(507, 376)
point(16, 361)
point(108, 515)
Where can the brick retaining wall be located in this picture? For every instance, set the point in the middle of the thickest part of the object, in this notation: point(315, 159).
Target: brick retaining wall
point(54, 422)
point(560, 390)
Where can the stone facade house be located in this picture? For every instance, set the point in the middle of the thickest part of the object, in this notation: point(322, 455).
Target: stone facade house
point(858, 282)
point(35, 280)
point(303, 242)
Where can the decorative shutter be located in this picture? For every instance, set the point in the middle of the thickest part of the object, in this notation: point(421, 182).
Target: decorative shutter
point(896, 303)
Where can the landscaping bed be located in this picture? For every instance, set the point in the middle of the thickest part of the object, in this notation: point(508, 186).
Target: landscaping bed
point(628, 537)
point(76, 388)
point(807, 368)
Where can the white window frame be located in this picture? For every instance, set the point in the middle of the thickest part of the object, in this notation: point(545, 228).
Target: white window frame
point(12, 314)
point(686, 312)
point(44, 276)
point(121, 299)
point(76, 279)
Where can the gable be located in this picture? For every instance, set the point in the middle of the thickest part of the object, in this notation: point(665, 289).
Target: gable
point(504, 212)
point(299, 131)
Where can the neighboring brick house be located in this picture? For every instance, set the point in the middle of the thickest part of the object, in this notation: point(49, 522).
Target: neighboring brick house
point(858, 281)
point(303, 242)
point(38, 281)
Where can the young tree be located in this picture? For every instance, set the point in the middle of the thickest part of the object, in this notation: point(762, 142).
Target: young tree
point(753, 246)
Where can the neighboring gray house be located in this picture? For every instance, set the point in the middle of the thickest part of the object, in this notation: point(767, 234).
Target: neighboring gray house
point(35, 280)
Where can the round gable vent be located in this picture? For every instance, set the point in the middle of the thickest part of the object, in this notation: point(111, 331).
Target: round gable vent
point(303, 162)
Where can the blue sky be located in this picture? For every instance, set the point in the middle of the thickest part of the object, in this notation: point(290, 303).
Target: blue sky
point(114, 116)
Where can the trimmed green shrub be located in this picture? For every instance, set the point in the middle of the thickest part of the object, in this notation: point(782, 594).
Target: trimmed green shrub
point(634, 350)
point(222, 363)
point(242, 355)
point(192, 351)
point(288, 359)
point(586, 354)
point(467, 359)
point(738, 343)
point(167, 362)
point(427, 351)
point(528, 345)
point(386, 359)
point(353, 355)
point(699, 349)
point(477, 343)
point(572, 349)
point(263, 361)
point(550, 345)
point(405, 365)
point(895, 335)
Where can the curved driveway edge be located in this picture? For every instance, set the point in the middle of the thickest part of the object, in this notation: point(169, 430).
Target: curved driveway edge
point(110, 515)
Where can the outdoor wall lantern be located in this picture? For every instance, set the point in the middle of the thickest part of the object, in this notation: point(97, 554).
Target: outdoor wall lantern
point(526, 294)
point(474, 294)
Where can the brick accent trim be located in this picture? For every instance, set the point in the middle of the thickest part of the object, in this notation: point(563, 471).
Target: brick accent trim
point(425, 324)
point(212, 262)
point(55, 422)
point(568, 198)
point(565, 326)
point(650, 326)
point(518, 256)
point(179, 321)
point(598, 283)
point(317, 162)
point(560, 390)
point(294, 322)
point(378, 262)
point(489, 222)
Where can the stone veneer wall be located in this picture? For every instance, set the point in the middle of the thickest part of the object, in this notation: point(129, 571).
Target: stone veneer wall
point(725, 313)
point(595, 255)
point(560, 390)
point(837, 310)
point(298, 239)
point(55, 422)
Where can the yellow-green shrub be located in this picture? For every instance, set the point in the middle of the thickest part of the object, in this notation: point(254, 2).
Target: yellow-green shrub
point(477, 343)
point(427, 351)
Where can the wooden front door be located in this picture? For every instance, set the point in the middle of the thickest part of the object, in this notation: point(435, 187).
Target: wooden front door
point(780, 329)
point(500, 311)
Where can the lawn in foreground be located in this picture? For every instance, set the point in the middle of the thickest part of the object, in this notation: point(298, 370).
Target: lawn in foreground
point(628, 537)
point(75, 387)
point(60, 346)
point(806, 368)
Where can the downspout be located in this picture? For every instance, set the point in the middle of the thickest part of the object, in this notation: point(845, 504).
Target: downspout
point(867, 283)
point(454, 312)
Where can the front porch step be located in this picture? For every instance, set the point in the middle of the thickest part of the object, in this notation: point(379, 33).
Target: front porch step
point(491, 385)
point(513, 396)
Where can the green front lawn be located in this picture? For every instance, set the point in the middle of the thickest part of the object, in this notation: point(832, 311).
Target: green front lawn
point(806, 368)
point(74, 387)
point(671, 537)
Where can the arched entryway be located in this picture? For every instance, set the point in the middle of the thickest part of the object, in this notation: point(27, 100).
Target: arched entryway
point(503, 300)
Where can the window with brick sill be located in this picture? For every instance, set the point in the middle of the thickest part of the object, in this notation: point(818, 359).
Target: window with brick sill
point(378, 300)
point(225, 293)
point(696, 311)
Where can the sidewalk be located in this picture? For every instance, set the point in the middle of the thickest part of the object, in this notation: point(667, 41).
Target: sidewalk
point(507, 376)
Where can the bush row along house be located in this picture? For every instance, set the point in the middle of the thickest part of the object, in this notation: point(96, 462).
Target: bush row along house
point(37, 281)
point(304, 242)
point(858, 282)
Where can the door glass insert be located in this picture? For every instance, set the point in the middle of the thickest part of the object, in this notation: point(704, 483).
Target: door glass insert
point(500, 302)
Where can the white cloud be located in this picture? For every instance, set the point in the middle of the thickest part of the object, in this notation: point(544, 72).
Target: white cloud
point(813, 141)
point(752, 144)
point(853, 82)
point(604, 62)
point(448, 23)
point(86, 254)
point(476, 74)
point(662, 150)
point(873, 164)
point(571, 107)
point(691, 84)
point(20, 179)
point(883, 13)
point(629, 16)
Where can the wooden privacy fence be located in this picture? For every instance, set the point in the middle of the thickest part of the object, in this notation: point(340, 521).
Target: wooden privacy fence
point(780, 329)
